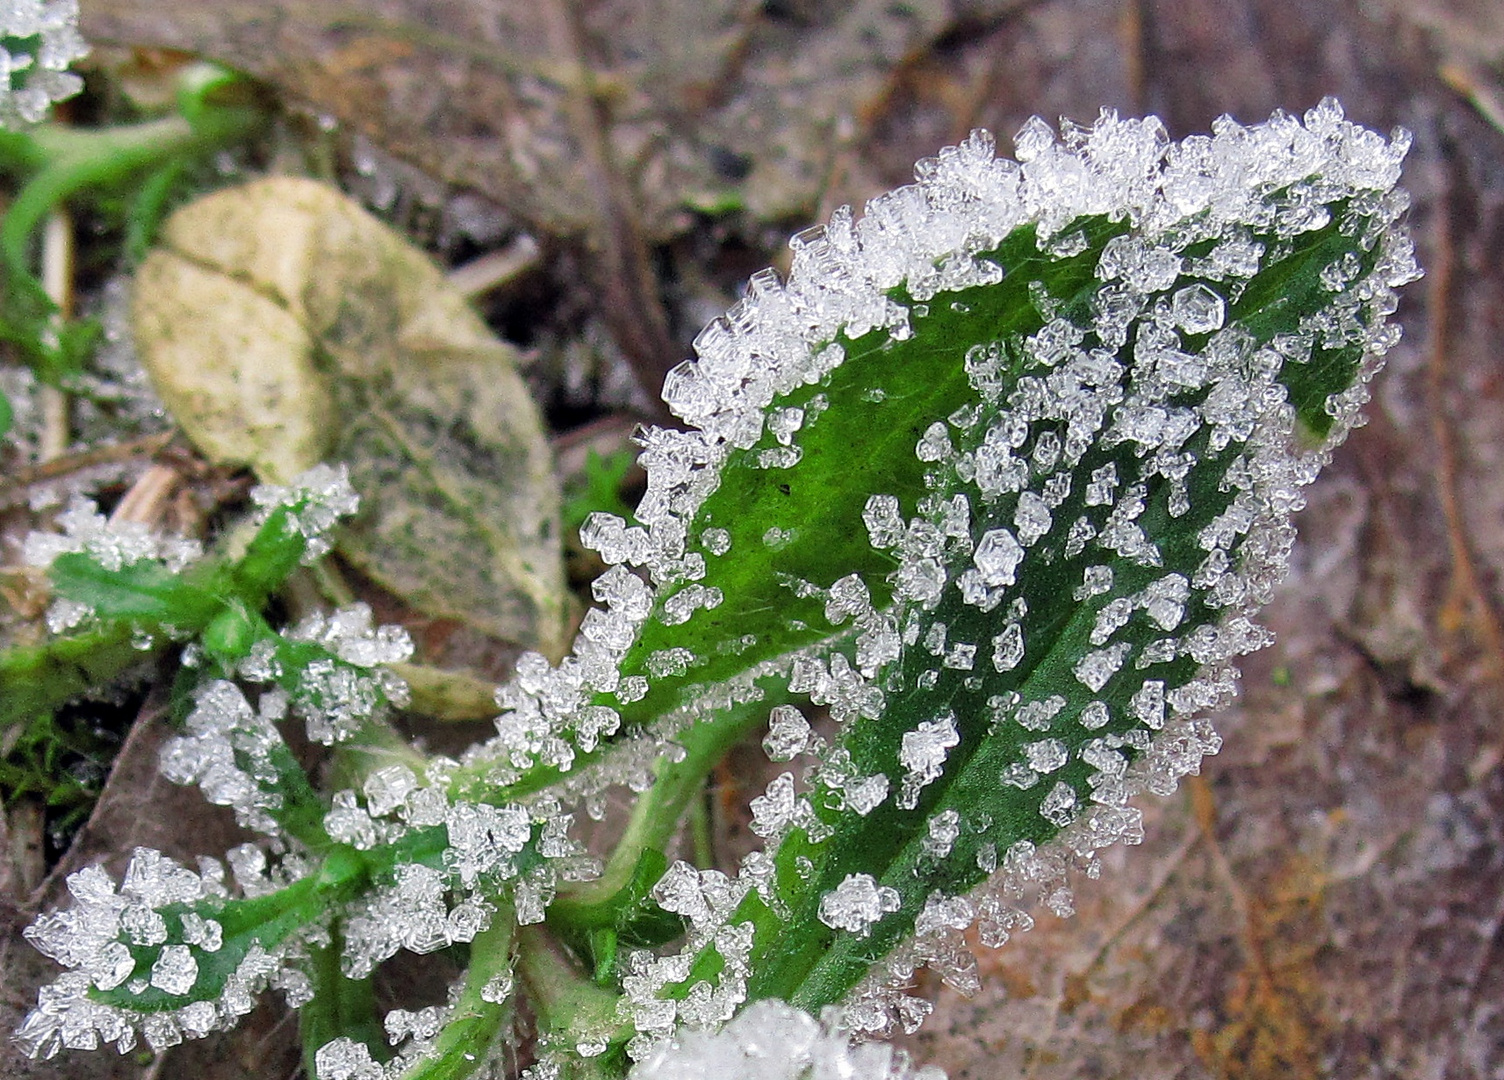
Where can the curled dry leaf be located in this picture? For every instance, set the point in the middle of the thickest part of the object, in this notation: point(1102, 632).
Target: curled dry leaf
point(284, 325)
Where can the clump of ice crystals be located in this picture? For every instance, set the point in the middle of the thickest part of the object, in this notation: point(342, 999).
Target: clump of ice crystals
point(91, 939)
point(337, 694)
point(772, 1041)
point(856, 903)
point(315, 501)
point(228, 749)
point(112, 546)
point(38, 41)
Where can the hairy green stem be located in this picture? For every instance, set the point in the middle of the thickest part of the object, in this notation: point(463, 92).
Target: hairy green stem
point(340, 1006)
point(574, 1014)
point(483, 1014)
point(656, 815)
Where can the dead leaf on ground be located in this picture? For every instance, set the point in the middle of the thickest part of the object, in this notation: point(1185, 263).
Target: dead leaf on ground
point(283, 325)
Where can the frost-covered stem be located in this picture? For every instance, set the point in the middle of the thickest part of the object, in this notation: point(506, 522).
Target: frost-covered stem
point(340, 1007)
point(478, 1020)
point(656, 815)
point(571, 1009)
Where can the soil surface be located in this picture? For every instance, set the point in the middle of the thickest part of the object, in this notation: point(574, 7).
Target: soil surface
point(1327, 899)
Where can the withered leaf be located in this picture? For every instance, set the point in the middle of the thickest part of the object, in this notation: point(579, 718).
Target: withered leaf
point(284, 325)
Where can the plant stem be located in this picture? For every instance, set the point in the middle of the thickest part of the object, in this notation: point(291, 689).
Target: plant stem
point(655, 817)
point(571, 1009)
point(340, 1006)
point(469, 1039)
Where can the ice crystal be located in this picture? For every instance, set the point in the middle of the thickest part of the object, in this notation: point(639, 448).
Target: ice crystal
point(922, 754)
point(769, 1040)
point(856, 903)
point(39, 39)
point(997, 556)
point(346, 1059)
point(943, 829)
point(498, 988)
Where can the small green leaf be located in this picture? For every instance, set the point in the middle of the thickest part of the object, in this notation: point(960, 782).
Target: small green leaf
point(146, 591)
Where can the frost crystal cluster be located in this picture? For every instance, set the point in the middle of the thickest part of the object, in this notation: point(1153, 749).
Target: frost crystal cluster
point(970, 520)
point(773, 1041)
point(38, 41)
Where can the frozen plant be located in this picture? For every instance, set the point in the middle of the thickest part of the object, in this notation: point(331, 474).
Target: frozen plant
point(996, 481)
point(39, 40)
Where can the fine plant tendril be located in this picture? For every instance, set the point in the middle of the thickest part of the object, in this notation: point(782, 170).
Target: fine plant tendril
point(996, 482)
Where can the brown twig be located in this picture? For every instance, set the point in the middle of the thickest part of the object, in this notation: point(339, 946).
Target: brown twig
point(1131, 26)
point(630, 303)
point(115, 454)
point(495, 268)
point(146, 500)
point(1465, 594)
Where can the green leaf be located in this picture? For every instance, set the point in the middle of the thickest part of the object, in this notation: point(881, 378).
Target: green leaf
point(1015, 545)
point(600, 490)
point(146, 591)
point(265, 921)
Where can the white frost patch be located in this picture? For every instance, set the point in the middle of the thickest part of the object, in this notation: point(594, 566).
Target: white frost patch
point(923, 753)
point(997, 557)
point(857, 903)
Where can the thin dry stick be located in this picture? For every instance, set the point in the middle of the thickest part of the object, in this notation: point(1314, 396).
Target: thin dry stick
point(57, 280)
point(114, 454)
point(631, 306)
point(147, 497)
point(1465, 592)
point(495, 268)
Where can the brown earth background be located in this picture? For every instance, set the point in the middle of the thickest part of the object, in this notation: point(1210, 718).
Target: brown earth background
point(1328, 899)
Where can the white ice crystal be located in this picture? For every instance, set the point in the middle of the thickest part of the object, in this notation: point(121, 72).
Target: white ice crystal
point(346, 1059)
point(856, 903)
point(788, 733)
point(769, 1040)
point(316, 500)
point(922, 754)
point(38, 41)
